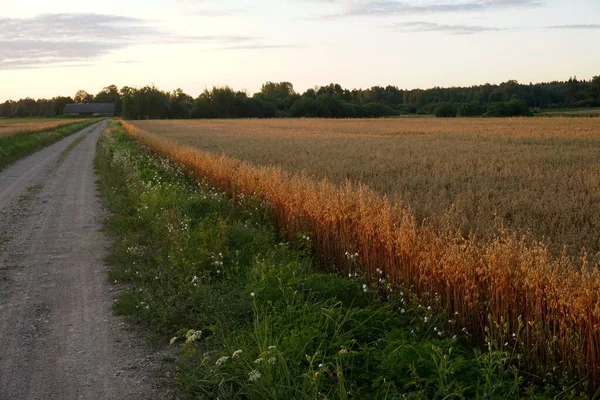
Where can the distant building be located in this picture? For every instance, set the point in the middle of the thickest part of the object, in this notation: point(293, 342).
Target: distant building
point(90, 110)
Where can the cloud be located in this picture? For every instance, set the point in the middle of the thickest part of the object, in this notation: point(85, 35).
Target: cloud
point(258, 47)
point(362, 8)
point(580, 26)
point(199, 8)
point(421, 26)
point(72, 39)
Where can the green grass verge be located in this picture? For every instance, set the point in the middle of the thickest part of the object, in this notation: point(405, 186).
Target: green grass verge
point(15, 147)
point(252, 316)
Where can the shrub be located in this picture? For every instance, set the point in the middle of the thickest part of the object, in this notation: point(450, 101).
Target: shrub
point(513, 108)
point(445, 110)
point(473, 109)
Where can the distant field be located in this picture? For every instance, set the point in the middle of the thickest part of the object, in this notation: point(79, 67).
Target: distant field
point(13, 126)
point(578, 112)
point(538, 176)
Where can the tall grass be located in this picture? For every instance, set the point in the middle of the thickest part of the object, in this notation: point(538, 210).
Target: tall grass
point(492, 287)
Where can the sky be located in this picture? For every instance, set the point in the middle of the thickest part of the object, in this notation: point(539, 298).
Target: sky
point(56, 48)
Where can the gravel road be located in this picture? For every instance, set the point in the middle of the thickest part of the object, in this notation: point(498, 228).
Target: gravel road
point(58, 337)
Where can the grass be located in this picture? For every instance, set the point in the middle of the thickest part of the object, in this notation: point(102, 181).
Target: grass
point(539, 177)
point(256, 318)
point(507, 280)
point(18, 146)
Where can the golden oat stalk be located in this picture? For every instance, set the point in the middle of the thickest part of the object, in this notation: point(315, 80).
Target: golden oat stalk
point(484, 284)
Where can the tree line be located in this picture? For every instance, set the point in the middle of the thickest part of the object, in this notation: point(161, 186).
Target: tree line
point(280, 100)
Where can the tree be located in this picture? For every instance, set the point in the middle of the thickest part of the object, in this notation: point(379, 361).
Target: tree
point(180, 104)
point(571, 90)
point(59, 103)
point(445, 110)
point(6, 109)
point(281, 94)
point(513, 108)
point(130, 110)
point(83, 97)
point(26, 107)
point(109, 94)
point(303, 107)
point(376, 110)
point(595, 88)
point(472, 109)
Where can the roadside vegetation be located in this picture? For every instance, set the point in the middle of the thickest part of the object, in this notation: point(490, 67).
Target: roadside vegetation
point(256, 315)
point(24, 141)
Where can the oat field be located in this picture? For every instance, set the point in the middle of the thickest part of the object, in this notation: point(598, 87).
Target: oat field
point(498, 287)
point(539, 176)
point(14, 126)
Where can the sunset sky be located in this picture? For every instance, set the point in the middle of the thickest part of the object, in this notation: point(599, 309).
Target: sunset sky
point(55, 48)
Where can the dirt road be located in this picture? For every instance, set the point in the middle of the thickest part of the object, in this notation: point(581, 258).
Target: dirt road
point(58, 337)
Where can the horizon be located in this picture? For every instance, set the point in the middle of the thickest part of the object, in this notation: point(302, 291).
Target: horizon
point(301, 91)
point(68, 46)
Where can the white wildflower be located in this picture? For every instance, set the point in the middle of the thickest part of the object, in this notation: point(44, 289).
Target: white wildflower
point(237, 353)
point(254, 376)
point(221, 360)
point(192, 336)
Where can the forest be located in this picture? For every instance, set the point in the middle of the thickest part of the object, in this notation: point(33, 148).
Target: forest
point(280, 100)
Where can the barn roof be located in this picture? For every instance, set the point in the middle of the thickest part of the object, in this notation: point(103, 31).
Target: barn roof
point(91, 108)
